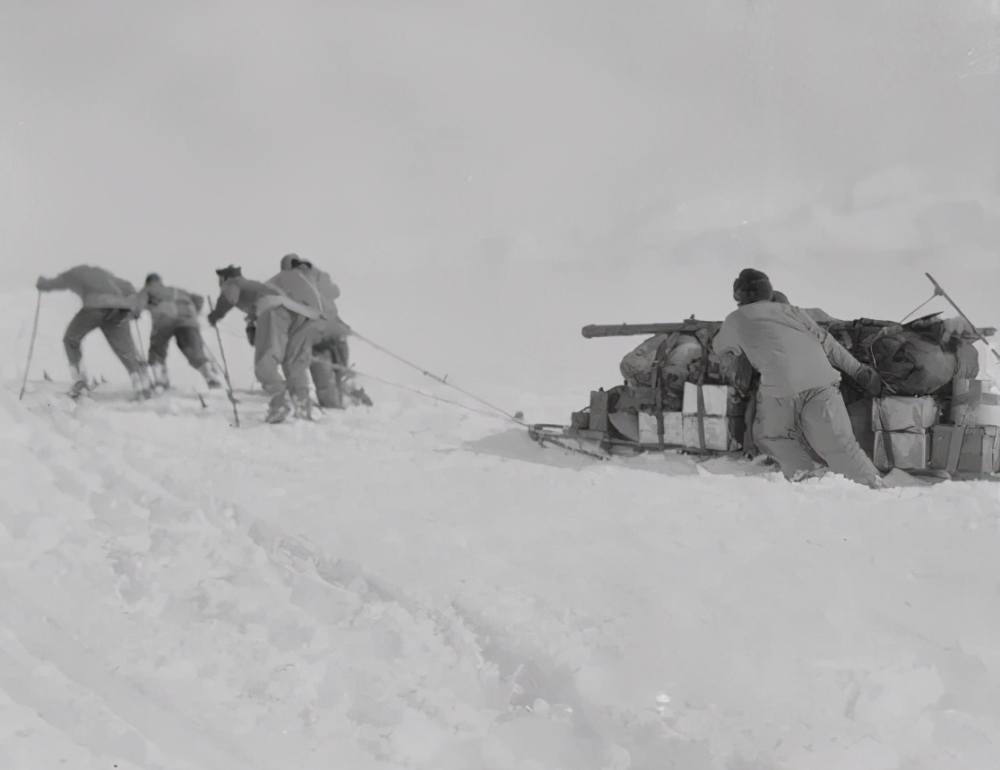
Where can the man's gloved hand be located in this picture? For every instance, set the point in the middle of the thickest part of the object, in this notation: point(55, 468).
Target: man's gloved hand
point(870, 381)
point(212, 318)
point(252, 334)
point(40, 283)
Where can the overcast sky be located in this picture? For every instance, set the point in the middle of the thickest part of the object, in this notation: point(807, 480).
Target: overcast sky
point(195, 134)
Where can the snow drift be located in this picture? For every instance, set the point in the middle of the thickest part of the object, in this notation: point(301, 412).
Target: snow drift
point(417, 585)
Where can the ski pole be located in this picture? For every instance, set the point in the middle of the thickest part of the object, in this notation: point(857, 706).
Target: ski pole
point(31, 346)
point(225, 368)
point(943, 293)
point(142, 345)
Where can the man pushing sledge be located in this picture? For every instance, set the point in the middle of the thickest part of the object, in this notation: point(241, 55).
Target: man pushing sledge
point(801, 420)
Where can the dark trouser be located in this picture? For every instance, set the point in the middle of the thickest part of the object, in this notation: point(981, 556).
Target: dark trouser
point(188, 340)
point(811, 429)
point(114, 323)
point(328, 354)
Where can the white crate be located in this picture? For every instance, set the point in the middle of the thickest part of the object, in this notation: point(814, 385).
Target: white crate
point(910, 451)
point(975, 403)
point(716, 399)
point(910, 414)
point(716, 434)
point(673, 428)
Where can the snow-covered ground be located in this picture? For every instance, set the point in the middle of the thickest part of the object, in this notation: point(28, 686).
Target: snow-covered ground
point(418, 585)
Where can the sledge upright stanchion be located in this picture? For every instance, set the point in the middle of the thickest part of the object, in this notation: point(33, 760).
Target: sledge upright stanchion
point(225, 369)
point(943, 293)
point(31, 345)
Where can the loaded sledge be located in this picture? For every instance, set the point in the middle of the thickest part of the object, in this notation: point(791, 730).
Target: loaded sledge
point(938, 416)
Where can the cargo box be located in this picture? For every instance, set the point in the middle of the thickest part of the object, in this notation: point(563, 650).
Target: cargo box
point(717, 436)
point(673, 428)
point(911, 414)
point(965, 449)
point(716, 399)
point(598, 410)
point(899, 449)
point(975, 402)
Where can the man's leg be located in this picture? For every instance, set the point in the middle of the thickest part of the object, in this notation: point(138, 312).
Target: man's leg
point(826, 425)
point(190, 341)
point(324, 377)
point(84, 322)
point(303, 335)
point(270, 347)
point(118, 333)
point(115, 326)
point(192, 346)
point(339, 353)
point(159, 343)
point(776, 432)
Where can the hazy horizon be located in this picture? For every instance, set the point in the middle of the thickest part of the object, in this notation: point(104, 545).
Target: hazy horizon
point(178, 137)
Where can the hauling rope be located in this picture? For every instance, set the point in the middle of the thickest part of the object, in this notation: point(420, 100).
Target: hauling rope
point(535, 432)
point(442, 380)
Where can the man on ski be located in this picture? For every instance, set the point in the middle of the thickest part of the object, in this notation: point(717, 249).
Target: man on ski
point(307, 316)
point(175, 316)
point(801, 420)
point(284, 323)
point(108, 304)
point(330, 363)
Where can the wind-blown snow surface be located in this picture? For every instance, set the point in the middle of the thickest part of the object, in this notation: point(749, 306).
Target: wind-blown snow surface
point(417, 585)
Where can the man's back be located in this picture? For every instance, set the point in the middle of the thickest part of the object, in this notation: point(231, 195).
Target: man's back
point(168, 304)
point(309, 286)
point(97, 287)
point(781, 342)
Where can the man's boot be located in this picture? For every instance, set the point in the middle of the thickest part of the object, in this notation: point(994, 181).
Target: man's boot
point(80, 384)
point(358, 396)
point(141, 384)
point(303, 407)
point(211, 374)
point(161, 381)
point(278, 409)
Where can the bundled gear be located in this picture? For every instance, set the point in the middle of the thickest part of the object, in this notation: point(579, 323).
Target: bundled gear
point(920, 358)
point(109, 303)
point(665, 360)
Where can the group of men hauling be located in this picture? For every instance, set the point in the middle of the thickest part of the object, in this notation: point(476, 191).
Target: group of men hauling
point(292, 323)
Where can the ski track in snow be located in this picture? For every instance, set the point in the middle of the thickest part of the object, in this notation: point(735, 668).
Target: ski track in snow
point(420, 586)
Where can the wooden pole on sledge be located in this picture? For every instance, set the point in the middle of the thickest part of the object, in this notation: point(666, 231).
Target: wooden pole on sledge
point(939, 291)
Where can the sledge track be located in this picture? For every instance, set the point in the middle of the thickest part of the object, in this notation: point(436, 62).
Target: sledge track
point(510, 672)
point(500, 673)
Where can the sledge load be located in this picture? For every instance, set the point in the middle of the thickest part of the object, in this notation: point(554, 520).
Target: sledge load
point(936, 414)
